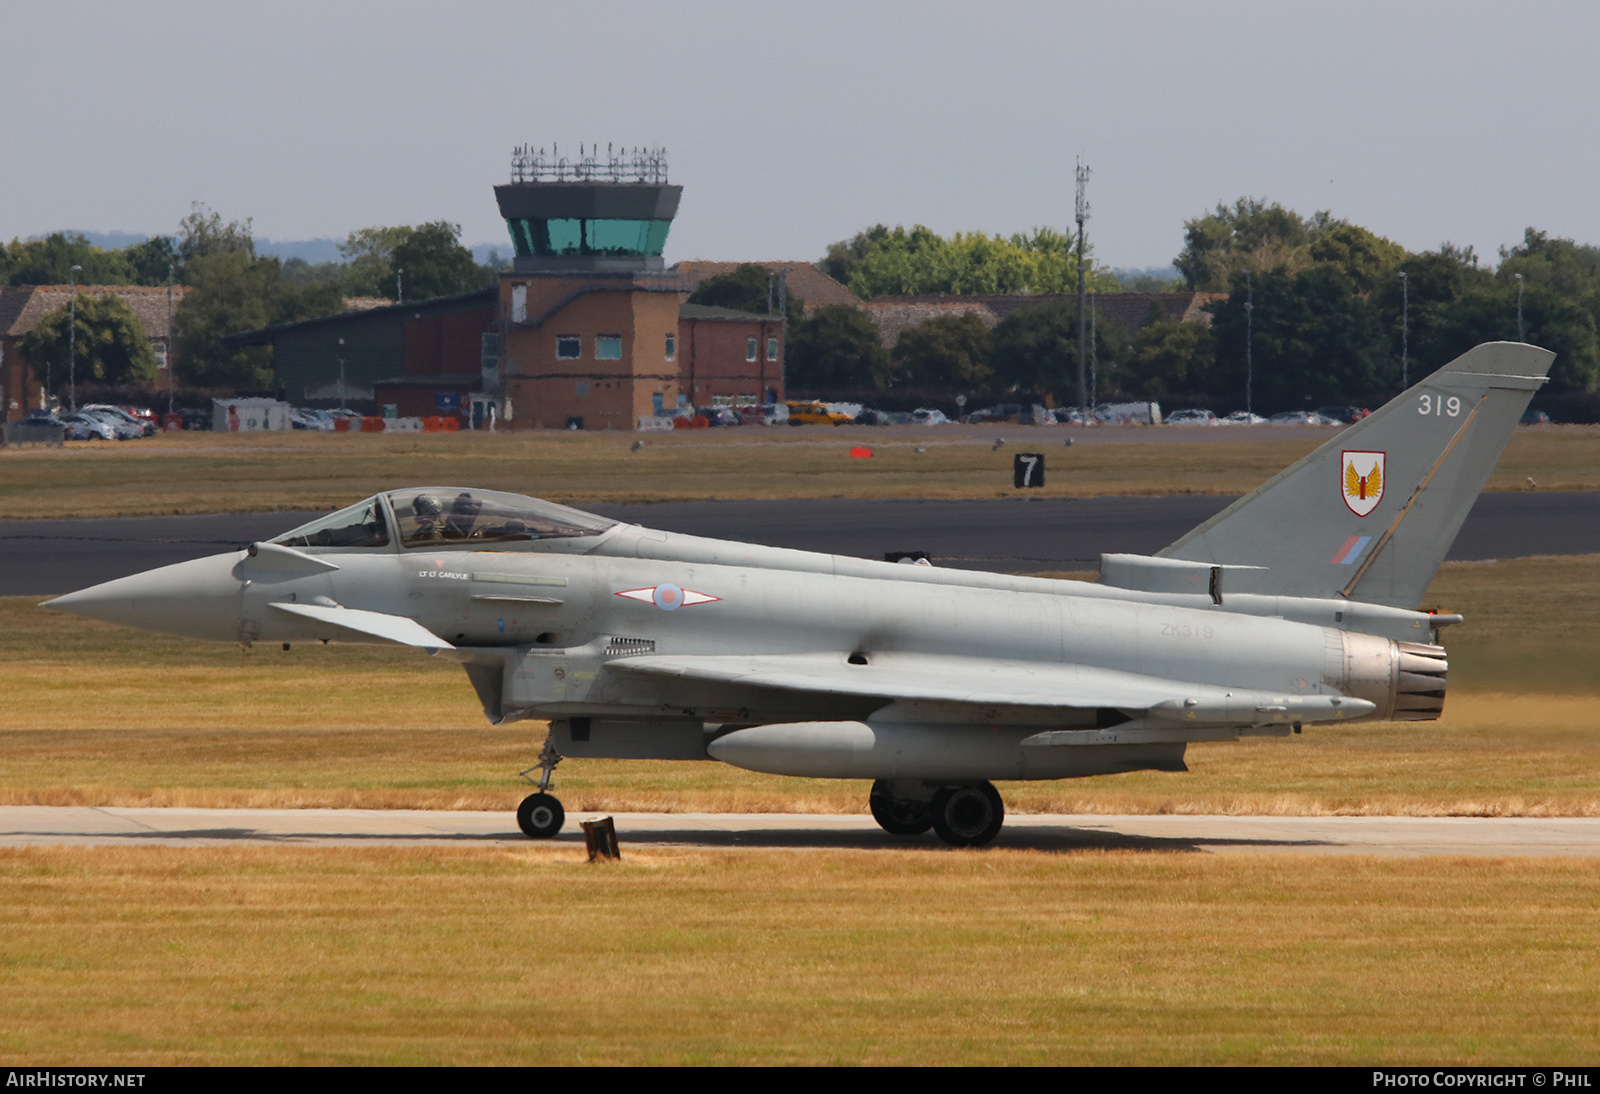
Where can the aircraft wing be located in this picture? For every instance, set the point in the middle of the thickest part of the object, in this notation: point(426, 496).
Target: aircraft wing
point(970, 681)
point(390, 628)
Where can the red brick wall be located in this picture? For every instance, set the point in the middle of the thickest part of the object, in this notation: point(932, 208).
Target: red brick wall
point(445, 345)
point(712, 358)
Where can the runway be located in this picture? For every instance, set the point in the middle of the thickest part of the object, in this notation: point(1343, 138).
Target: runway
point(22, 826)
point(43, 557)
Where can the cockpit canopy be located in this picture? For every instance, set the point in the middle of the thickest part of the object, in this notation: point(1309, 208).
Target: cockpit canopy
point(445, 516)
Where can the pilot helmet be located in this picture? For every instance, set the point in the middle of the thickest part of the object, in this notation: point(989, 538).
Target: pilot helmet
point(426, 505)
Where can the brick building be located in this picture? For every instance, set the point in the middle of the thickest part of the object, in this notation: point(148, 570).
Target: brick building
point(389, 353)
point(728, 357)
point(22, 306)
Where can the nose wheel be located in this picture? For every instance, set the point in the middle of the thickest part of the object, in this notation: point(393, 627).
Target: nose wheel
point(540, 815)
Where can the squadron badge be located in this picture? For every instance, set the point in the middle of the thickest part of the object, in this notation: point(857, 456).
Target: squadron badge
point(1361, 481)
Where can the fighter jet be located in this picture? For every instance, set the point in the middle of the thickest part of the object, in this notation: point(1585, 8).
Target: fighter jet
point(1296, 606)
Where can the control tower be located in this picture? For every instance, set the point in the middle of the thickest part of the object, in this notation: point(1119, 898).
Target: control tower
point(588, 313)
point(591, 214)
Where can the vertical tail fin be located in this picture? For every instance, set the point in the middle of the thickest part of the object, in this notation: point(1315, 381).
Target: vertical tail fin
point(1370, 514)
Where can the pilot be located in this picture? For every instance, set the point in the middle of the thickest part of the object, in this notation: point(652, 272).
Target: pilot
point(427, 511)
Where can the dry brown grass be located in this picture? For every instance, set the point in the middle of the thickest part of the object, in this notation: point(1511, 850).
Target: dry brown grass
point(100, 715)
point(208, 472)
point(286, 955)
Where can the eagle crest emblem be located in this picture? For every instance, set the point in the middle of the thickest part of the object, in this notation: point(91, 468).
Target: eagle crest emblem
point(1361, 483)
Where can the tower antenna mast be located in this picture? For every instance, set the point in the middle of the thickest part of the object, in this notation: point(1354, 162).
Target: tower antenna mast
point(1081, 208)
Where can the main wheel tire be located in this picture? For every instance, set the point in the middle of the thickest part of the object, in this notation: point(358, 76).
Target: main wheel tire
point(967, 816)
point(898, 816)
point(540, 816)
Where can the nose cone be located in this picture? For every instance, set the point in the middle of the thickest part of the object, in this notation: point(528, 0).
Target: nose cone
point(198, 599)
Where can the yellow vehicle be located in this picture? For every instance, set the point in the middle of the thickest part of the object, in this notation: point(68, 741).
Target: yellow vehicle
point(816, 414)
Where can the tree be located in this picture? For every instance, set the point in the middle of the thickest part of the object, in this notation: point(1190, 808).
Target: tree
point(902, 263)
point(1434, 281)
point(1168, 357)
point(369, 258)
point(948, 353)
point(837, 346)
point(151, 260)
point(1313, 341)
point(234, 292)
point(435, 263)
point(1366, 259)
point(844, 256)
point(1566, 268)
point(49, 261)
point(1036, 350)
point(110, 346)
point(748, 287)
point(1549, 320)
point(1252, 234)
point(202, 234)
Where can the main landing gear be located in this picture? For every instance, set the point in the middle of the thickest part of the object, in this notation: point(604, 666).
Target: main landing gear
point(540, 815)
point(969, 815)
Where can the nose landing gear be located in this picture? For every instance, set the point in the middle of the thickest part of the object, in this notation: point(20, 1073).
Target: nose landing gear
point(540, 815)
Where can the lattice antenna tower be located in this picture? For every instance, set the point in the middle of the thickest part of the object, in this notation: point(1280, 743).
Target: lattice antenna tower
point(636, 165)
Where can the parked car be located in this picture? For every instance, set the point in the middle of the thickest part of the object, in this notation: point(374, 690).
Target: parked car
point(818, 414)
point(1242, 417)
point(145, 426)
point(764, 414)
point(1000, 412)
point(1342, 415)
point(929, 416)
point(1536, 417)
point(1299, 417)
point(122, 428)
point(37, 418)
point(1191, 416)
point(719, 415)
point(86, 427)
point(309, 418)
point(1139, 413)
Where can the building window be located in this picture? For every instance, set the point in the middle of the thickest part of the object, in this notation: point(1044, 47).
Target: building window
point(608, 347)
point(750, 349)
point(672, 347)
point(772, 349)
point(569, 347)
point(519, 303)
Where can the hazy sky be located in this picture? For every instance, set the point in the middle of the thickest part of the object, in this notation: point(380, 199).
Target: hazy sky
point(793, 125)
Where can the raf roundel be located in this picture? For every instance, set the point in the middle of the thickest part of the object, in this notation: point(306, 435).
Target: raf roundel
point(668, 597)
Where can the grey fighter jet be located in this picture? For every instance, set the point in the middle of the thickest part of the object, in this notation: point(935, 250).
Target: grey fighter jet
point(1295, 606)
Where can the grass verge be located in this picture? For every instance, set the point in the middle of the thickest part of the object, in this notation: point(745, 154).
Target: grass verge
point(283, 955)
point(214, 473)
